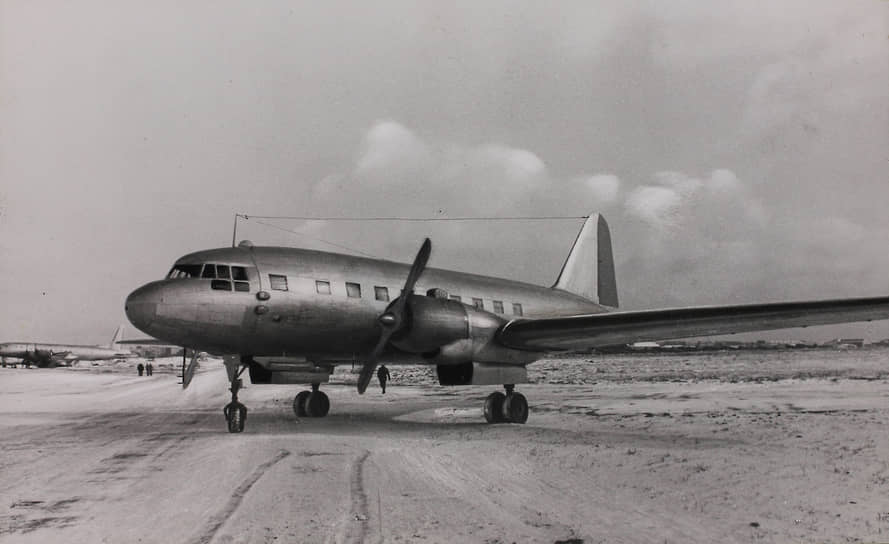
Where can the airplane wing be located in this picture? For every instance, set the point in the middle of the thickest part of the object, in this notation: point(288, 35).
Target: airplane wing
point(613, 328)
point(147, 342)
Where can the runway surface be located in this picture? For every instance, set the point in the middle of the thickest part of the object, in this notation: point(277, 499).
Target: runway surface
point(111, 457)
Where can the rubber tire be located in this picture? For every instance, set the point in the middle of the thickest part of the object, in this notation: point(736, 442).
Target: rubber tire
point(515, 408)
point(236, 416)
point(494, 407)
point(317, 404)
point(299, 403)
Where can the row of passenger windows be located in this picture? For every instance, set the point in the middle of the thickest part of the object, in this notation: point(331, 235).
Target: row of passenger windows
point(353, 290)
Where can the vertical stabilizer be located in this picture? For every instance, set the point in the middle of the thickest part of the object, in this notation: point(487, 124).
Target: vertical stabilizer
point(589, 269)
point(118, 336)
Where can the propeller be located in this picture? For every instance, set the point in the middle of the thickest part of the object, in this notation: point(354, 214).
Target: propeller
point(392, 320)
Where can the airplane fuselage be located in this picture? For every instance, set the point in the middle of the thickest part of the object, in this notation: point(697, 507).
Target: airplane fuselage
point(324, 306)
point(47, 354)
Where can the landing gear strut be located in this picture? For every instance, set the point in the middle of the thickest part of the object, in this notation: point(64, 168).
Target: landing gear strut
point(312, 403)
point(235, 412)
point(511, 407)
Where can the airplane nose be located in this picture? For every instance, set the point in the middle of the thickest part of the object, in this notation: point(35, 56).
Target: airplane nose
point(141, 306)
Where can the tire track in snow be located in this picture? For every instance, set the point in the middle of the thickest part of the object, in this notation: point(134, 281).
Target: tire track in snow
point(216, 521)
point(357, 522)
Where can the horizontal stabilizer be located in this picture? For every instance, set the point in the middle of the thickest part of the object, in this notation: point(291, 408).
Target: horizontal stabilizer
point(614, 328)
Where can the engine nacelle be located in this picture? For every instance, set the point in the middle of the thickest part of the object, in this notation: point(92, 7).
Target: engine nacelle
point(431, 324)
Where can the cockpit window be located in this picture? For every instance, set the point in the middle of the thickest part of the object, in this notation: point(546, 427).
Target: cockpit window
point(221, 274)
point(184, 271)
point(221, 285)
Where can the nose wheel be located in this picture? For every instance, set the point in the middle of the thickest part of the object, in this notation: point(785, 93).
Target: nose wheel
point(510, 407)
point(235, 412)
point(314, 403)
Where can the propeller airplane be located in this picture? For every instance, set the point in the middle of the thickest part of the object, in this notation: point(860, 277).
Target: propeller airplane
point(288, 316)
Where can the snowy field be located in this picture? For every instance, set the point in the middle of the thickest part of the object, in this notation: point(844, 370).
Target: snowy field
point(727, 447)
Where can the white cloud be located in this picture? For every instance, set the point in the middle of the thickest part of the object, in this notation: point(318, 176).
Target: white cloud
point(657, 206)
point(390, 145)
point(604, 188)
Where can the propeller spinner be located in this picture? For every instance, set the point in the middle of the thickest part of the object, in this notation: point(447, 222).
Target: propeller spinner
point(392, 320)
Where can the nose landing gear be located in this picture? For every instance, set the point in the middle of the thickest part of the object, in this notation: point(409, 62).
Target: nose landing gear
point(511, 407)
point(235, 412)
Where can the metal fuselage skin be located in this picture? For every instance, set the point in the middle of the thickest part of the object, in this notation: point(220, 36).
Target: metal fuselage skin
point(306, 321)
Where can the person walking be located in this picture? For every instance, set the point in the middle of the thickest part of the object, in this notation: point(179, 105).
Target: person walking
point(149, 369)
point(383, 376)
point(141, 368)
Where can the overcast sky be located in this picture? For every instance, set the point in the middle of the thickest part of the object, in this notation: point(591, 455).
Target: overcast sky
point(740, 151)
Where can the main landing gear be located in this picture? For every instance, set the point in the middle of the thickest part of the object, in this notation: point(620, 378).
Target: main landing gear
point(235, 412)
point(511, 407)
point(312, 403)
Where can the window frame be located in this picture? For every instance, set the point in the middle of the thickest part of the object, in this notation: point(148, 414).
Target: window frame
point(273, 278)
point(322, 287)
point(381, 293)
point(517, 309)
point(498, 306)
point(353, 289)
point(478, 303)
point(217, 285)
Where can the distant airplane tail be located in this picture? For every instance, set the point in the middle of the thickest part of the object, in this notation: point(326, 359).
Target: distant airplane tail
point(118, 336)
point(589, 269)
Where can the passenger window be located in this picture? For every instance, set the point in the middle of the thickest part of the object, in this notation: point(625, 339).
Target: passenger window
point(353, 290)
point(239, 273)
point(498, 306)
point(221, 285)
point(457, 298)
point(222, 271)
point(478, 303)
point(381, 293)
point(242, 286)
point(278, 282)
point(209, 271)
point(517, 309)
point(322, 287)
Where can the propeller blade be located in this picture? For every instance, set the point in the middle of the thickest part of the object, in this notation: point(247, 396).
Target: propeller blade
point(417, 268)
point(188, 372)
point(393, 318)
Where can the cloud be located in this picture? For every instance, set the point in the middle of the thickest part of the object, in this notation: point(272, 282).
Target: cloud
point(657, 206)
point(604, 188)
point(389, 145)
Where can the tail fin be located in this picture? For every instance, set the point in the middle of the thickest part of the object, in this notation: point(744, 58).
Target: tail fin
point(118, 336)
point(589, 269)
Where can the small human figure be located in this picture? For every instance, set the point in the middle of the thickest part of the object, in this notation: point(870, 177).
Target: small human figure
point(383, 375)
point(149, 369)
point(141, 368)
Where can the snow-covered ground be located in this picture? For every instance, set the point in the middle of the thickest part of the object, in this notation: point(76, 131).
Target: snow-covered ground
point(617, 453)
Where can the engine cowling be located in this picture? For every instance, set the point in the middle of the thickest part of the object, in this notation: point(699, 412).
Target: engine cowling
point(448, 332)
point(431, 324)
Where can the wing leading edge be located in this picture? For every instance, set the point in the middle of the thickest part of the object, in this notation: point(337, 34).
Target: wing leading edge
point(595, 330)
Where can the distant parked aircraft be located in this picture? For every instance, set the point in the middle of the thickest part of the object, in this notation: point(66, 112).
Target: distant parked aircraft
point(290, 315)
point(51, 355)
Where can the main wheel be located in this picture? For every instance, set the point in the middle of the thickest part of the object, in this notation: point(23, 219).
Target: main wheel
point(317, 405)
point(236, 416)
point(515, 408)
point(299, 403)
point(494, 407)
